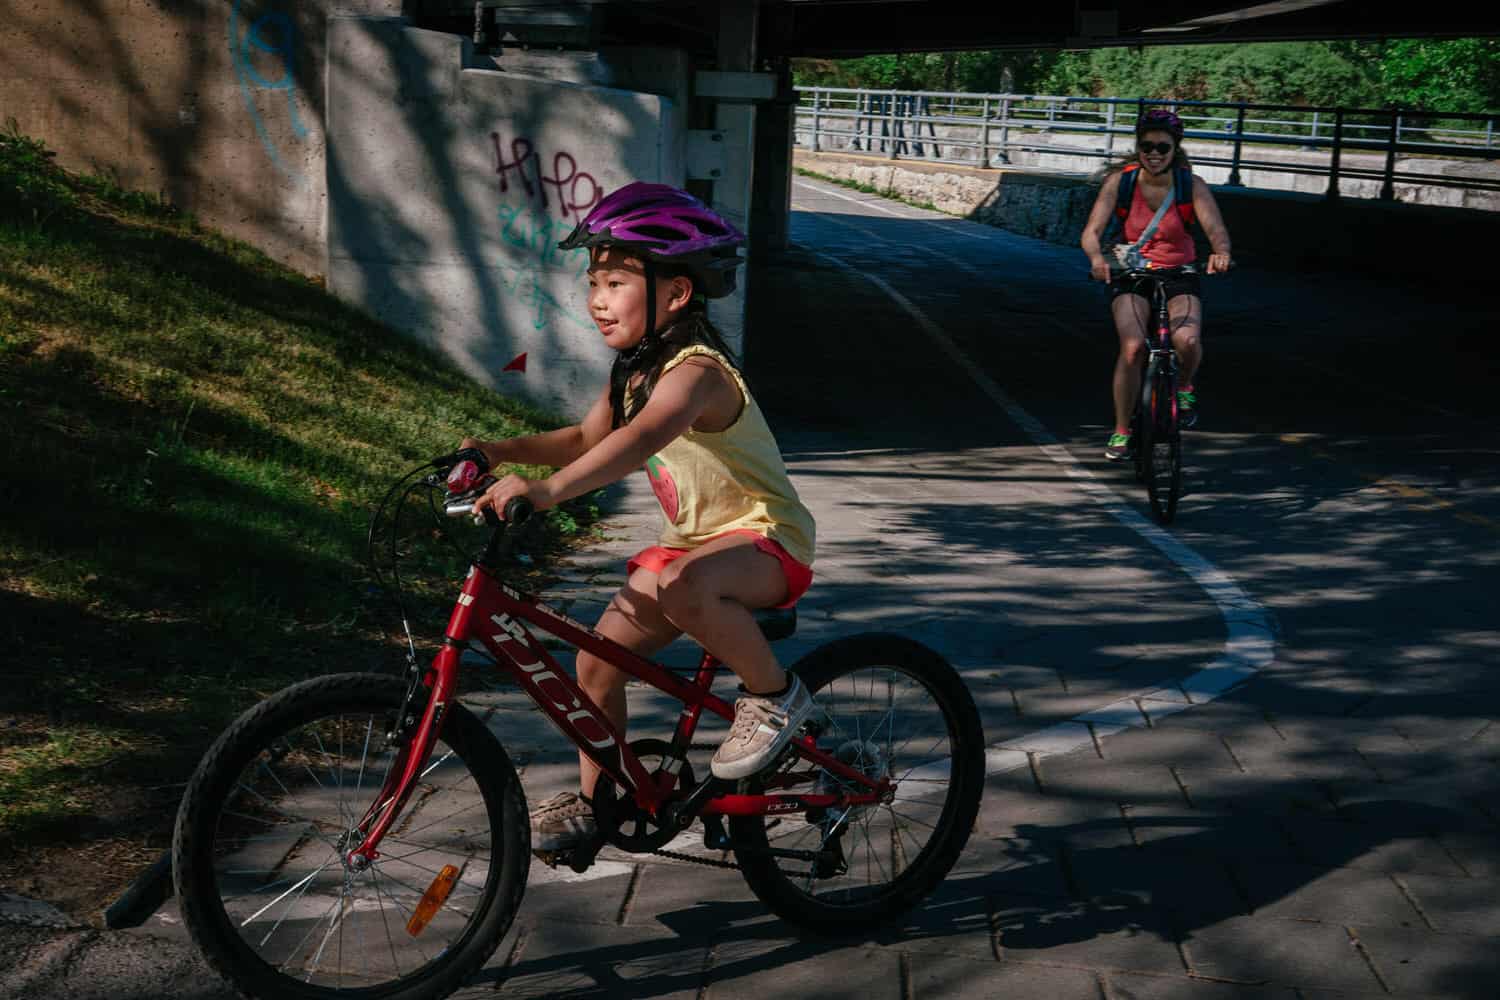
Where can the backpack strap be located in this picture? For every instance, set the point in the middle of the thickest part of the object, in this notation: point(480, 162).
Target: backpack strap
point(1126, 190)
point(1182, 182)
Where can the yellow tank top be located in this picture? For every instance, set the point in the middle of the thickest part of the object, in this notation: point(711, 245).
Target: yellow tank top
point(710, 483)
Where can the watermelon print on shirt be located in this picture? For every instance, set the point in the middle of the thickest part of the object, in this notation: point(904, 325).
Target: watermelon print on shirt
point(663, 486)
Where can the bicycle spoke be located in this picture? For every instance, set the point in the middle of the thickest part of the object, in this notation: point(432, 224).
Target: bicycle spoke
point(314, 926)
point(443, 819)
point(334, 924)
point(418, 893)
point(385, 921)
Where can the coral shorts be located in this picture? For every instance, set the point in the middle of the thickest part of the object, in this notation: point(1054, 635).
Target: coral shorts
point(798, 576)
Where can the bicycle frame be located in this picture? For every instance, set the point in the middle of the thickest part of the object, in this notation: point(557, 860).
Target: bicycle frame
point(1160, 348)
point(491, 612)
point(1158, 345)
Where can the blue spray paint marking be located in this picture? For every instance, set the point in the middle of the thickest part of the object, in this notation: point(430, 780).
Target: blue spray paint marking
point(281, 43)
point(536, 233)
point(537, 236)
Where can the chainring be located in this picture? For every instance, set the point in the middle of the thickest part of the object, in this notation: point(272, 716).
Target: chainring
point(623, 823)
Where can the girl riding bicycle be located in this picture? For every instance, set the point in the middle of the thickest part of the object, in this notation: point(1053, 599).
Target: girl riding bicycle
point(1156, 196)
point(736, 538)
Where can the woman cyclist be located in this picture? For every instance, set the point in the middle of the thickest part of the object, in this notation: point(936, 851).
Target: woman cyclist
point(736, 537)
point(1156, 170)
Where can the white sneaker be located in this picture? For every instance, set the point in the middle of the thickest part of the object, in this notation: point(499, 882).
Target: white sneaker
point(563, 822)
point(762, 728)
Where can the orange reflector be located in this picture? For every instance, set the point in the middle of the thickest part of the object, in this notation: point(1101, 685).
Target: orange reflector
point(432, 900)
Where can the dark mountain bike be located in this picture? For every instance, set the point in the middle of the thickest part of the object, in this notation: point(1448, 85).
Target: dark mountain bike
point(1155, 426)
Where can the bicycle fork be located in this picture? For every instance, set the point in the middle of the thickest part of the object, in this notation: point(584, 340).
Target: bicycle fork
point(415, 747)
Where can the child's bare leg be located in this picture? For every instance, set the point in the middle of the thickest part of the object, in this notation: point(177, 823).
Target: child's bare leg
point(709, 593)
point(634, 620)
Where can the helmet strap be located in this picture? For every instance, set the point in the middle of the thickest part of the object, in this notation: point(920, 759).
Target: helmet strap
point(632, 359)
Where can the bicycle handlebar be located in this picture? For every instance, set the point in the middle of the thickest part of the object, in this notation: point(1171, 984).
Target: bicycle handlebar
point(1117, 270)
point(517, 511)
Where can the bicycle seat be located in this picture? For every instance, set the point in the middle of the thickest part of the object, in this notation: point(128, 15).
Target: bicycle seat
point(776, 623)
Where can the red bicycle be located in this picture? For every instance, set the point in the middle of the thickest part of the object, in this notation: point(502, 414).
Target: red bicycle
point(365, 835)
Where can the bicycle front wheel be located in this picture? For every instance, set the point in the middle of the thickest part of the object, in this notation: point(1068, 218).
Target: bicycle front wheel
point(1161, 458)
point(261, 849)
point(890, 708)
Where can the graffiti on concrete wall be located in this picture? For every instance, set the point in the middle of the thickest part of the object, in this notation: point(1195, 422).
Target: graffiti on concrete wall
point(264, 54)
point(574, 190)
point(538, 209)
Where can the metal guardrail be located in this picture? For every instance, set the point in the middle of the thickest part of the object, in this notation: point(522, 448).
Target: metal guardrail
point(988, 129)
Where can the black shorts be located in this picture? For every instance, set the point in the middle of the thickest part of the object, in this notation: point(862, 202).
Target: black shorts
point(1177, 284)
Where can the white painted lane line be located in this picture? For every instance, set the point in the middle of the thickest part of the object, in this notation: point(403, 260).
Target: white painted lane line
point(858, 201)
point(1250, 643)
point(950, 225)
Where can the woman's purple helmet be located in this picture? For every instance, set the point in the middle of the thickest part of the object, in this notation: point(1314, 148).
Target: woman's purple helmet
point(1159, 119)
point(666, 226)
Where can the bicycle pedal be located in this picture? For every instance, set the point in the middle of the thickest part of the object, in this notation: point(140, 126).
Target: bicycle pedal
point(580, 858)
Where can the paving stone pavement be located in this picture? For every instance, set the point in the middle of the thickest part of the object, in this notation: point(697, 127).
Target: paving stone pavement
point(1330, 827)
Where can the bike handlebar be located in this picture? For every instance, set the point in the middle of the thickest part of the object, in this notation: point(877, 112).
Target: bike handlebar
point(467, 476)
point(1117, 270)
point(517, 511)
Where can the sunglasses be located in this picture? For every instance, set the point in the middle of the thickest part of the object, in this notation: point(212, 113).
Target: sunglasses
point(1162, 148)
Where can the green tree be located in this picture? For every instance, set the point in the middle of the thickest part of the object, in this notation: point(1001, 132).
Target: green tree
point(1456, 75)
point(1460, 74)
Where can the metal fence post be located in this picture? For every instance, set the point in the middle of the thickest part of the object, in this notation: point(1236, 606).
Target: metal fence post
point(984, 134)
point(1109, 130)
point(1333, 163)
point(1239, 142)
point(817, 124)
point(1388, 187)
point(1489, 132)
point(890, 122)
point(1003, 155)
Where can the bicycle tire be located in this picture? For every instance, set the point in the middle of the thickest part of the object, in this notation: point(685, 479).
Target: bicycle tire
point(237, 831)
point(1163, 447)
point(832, 673)
point(1140, 435)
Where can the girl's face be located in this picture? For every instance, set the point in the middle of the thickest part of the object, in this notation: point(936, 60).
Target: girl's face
point(1150, 146)
point(617, 297)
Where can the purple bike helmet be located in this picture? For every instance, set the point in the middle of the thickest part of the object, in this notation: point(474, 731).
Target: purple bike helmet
point(665, 225)
point(1160, 119)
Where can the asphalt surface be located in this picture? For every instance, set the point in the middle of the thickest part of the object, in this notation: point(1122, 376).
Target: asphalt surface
point(1250, 756)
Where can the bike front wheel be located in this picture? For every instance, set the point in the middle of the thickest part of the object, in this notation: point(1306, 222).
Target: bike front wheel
point(891, 708)
point(261, 849)
point(1161, 446)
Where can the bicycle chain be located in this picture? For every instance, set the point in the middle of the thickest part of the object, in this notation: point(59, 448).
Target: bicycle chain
point(783, 764)
point(695, 859)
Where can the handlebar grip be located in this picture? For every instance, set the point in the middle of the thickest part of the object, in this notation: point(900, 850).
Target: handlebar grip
point(518, 510)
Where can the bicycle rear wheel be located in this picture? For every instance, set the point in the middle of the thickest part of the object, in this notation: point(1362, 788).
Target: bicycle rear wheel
point(1161, 446)
point(260, 851)
point(889, 707)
